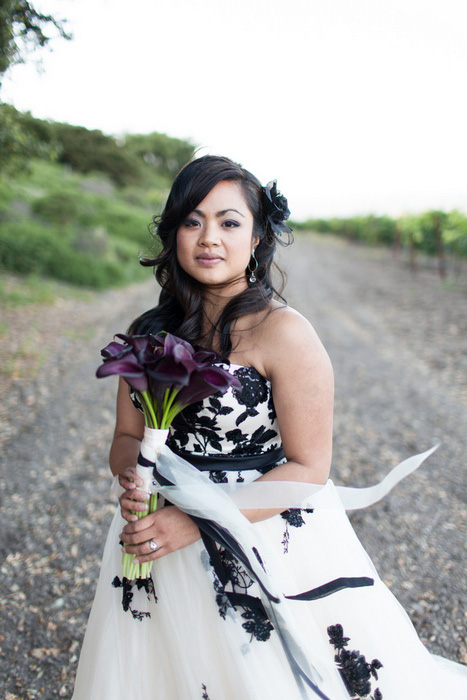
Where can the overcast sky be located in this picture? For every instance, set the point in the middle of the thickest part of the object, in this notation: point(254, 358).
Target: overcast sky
point(354, 106)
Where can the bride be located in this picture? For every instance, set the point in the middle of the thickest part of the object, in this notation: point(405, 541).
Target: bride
point(204, 627)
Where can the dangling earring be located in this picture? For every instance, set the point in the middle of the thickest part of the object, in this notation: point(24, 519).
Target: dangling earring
point(252, 278)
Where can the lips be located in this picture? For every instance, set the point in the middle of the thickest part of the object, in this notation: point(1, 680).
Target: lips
point(208, 257)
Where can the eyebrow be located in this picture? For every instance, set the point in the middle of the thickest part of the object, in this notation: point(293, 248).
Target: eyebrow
point(219, 213)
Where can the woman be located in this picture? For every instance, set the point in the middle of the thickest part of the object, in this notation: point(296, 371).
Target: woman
point(203, 631)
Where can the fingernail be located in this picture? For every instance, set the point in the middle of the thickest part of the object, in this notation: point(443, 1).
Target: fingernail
point(131, 487)
point(136, 561)
point(133, 518)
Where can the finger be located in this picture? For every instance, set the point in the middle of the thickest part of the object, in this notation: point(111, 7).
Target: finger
point(126, 484)
point(143, 558)
point(137, 532)
point(129, 479)
point(129, 516)
point(130, 485)
point(139, 495)
point(128, 502)
point(141, 525)
point(143, 552)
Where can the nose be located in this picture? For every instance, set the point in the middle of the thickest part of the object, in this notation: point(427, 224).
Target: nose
point(210, 234)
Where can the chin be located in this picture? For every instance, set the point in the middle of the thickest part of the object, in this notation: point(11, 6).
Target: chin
point(239, 283)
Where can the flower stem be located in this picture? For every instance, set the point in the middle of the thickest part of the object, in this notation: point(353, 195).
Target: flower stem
point(169, 398)
point(151, 409)
point(175, 409)
point(130, 570)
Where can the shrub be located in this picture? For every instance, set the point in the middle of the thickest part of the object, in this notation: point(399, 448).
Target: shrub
point(57, 207)
point(27, 247)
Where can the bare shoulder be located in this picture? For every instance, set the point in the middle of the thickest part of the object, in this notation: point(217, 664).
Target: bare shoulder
point(287, 339)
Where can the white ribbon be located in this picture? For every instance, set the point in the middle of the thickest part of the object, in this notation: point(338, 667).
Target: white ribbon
point(194, 493)
point(153, 440)
point(258, 494)
point(356, 498)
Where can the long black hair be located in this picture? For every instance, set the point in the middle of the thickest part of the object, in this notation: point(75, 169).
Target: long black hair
point(180, 308)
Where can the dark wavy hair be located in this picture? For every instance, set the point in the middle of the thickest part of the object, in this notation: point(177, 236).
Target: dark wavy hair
point(180, 307)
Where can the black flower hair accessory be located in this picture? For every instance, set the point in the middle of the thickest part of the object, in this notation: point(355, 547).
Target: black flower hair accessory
point(276, 208)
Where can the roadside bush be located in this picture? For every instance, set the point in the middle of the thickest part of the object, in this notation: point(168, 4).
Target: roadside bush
point(91, 151)
point(94, 241)
point(123, 221)
point(455, 233)
point(58, 207)
point(27, 247)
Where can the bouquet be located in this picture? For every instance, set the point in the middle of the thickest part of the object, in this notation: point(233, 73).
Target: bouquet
point(167, 374)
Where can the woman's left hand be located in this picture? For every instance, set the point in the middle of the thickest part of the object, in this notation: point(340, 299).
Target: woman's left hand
point(169, 528)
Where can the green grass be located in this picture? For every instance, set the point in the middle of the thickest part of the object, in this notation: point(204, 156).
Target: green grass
point(81, 335)
point(26, 362)
point(17, 291)
point(79, 229)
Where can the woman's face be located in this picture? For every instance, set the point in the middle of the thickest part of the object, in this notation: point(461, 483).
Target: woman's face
point(215, 242)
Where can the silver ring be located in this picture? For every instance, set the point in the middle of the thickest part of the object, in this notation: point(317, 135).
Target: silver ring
point(152, 545)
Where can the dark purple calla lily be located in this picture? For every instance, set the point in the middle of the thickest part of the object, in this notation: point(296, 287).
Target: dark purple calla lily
point(145, 347)
point(204, 382)
point(171, 342)
point(170, 372)
point(208, 357)
point(167, 372)
point(126, 366)
point(113, 349)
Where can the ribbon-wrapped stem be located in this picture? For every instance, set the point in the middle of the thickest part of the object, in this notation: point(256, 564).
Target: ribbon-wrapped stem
point(152, 441)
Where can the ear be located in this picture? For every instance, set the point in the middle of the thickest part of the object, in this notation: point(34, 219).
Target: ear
point(254, 243)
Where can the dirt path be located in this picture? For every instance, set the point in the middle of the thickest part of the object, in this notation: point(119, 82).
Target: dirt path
point(396, 345)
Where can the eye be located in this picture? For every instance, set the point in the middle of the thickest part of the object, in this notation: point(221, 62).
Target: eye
point(191, 223)
point(230, 223)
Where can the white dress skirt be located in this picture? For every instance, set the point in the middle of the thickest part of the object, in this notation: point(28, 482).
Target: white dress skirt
point(205, 629)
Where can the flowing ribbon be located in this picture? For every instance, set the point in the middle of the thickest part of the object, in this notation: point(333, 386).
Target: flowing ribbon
point(216, 510)
point(356, 498)
point(220, 519)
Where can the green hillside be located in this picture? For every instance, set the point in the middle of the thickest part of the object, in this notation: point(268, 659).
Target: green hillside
point(75, 205)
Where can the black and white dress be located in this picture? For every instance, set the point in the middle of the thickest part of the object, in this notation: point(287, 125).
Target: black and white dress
point(201, 631)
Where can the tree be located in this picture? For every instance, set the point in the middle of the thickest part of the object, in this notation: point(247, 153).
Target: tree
point(432, 225)
point(22, 29)
point(92, 151)
point(411, 236)
point(163, 153)
point(18, 145)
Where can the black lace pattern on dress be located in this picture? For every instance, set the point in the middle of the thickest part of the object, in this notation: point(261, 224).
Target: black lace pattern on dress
point(202, 427)
point(257, 625)
point(205, 695)
point(235, 588)
point(293, 517)
point(198, 427)
point(146, 584)
point(355, 671)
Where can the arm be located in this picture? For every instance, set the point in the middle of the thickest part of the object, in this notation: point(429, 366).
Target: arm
point(301, 375)
point(128, 433)
point(124, 451)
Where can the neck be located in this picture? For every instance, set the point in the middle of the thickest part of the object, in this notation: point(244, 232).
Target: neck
point(215, 299)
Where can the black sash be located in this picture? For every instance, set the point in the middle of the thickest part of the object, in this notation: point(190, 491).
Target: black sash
point(231, 463)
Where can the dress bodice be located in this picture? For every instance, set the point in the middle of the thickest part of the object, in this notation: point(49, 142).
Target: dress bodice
point(239, 423)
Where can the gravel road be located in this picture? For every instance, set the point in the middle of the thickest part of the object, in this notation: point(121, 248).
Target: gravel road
point(397, 342)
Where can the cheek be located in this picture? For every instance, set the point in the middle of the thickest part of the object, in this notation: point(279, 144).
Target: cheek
point(182, 248)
